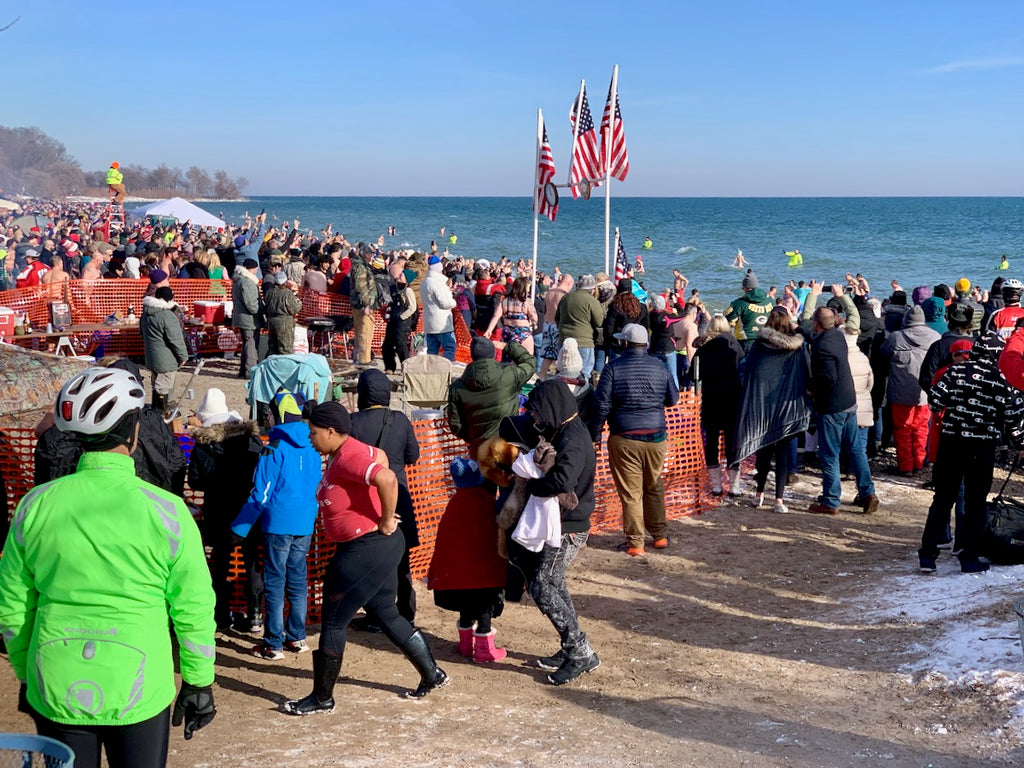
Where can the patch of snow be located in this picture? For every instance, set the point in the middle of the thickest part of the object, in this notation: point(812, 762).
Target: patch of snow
point(973, 641)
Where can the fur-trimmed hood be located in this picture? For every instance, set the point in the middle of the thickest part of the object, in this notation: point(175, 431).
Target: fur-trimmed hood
point(218, 433)
point(152, 304)
point(244, 273)
point(783, 341)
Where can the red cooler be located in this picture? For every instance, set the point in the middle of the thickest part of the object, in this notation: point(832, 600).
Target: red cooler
point(6, 322)
point(209, 311)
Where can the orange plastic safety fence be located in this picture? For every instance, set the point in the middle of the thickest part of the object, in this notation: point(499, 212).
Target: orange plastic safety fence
point(430, 486)
point(92, 301)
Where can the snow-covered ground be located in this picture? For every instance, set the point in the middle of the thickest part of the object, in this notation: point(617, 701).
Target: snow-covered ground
point(974, 642)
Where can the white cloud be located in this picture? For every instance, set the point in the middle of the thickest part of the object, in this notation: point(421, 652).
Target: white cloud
point(989, 63)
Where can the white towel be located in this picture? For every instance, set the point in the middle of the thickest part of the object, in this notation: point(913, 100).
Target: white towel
point(541, 521)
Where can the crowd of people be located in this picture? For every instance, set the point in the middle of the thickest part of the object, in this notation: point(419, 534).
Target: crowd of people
point(839, 371)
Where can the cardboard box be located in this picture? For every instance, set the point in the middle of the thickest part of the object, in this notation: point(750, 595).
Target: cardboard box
point(209, 311)
point(6, 322)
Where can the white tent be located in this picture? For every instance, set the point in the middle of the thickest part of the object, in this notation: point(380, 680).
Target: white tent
point(9, 205)
point(180, 209)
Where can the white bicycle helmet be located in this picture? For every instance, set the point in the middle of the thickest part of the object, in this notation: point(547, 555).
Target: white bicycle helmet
point(94, 401)
point(1013, 283)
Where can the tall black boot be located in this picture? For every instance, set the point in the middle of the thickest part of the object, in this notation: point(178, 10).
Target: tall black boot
point(432, 676)
point(325, 675)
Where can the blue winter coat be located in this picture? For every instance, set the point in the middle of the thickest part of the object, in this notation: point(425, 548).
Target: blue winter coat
point(632, 394)
point(284, 485)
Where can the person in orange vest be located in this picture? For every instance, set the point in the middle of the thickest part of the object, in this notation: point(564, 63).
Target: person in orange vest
point(115, 182)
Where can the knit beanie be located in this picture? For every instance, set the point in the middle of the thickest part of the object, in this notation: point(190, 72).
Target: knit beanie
point(465, 473)
point(749, 281)
point(570, 363)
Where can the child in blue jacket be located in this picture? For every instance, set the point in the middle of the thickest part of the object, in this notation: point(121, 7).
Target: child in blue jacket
point(283, 499)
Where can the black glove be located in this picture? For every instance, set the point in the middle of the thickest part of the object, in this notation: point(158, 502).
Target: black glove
point(236, 540)
point(195, 707)
point(23, 705)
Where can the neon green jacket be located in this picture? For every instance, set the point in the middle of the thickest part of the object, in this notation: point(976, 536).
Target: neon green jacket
point(114, 176)
point(95, 566)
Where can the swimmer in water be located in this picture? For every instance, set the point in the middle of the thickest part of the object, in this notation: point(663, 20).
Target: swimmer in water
point(739, 262)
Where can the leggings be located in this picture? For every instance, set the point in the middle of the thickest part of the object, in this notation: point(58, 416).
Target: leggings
point(363, 571)
point(482, 620)
point(782, 453)
point(140, 745)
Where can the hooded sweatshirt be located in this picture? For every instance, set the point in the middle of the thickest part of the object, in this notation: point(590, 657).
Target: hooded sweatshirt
point(554, 409)
point(283, 497)
point(935, 314)
point(906, 351)
point(752, 310)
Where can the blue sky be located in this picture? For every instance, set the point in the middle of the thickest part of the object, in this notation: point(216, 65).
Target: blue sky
point(738, 99)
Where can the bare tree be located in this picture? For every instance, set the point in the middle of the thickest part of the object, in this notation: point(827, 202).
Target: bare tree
point(199, 181)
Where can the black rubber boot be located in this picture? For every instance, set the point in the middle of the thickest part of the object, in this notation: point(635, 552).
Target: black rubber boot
point(321, 700)
point(432, 676)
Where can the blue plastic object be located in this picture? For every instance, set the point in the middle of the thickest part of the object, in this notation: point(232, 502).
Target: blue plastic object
point(23, 750)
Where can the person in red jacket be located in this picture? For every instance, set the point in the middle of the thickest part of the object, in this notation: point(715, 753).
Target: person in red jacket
point(466, 572)
point(1011, 359)
point(34, 270)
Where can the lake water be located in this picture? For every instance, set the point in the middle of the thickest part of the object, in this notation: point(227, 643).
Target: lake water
point(920, 241)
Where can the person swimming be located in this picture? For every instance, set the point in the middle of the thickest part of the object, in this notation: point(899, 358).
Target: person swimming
point(648, 243)
point(1004, 263)
point(739, 262)
point(796, 258)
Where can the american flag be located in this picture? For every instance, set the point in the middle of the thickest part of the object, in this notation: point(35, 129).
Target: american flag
point(545, 173)
point(621, 262)
point(612, 131)
point(586, 163)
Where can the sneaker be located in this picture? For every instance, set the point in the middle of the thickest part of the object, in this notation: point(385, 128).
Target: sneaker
point(927, 564)
point(974, 566)
point(296, 646)
point(780, 507)
point(817, 508)
point(661, 543)
point(869, 504)
point(264, 651)
point(551, 663)
point(573, 668)
point(635, 551)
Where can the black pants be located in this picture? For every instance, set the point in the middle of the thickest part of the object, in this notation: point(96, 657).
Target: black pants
point(718, 419)
point(395, 348)
point(363, 571)
point(781, 452)
point(217, 535)
point(969, 462)
point(142, 745)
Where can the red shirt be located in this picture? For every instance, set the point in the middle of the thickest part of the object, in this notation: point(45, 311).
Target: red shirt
point(32, 274)
point(349, 505)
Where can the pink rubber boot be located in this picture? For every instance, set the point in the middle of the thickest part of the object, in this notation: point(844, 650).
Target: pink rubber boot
point(465, 641)
point(484, 650)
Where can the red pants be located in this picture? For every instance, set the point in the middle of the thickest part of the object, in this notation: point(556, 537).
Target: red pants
point(910, 433)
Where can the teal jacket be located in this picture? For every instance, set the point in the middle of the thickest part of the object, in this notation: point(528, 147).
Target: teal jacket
point(96, 568)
